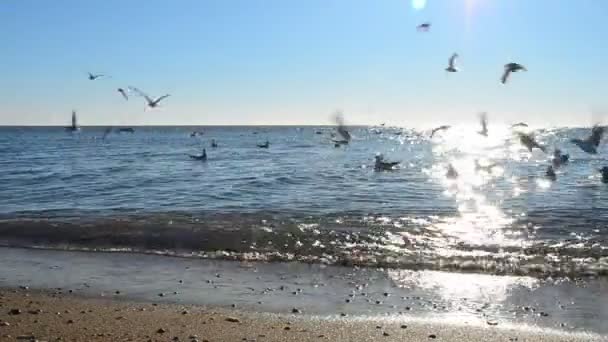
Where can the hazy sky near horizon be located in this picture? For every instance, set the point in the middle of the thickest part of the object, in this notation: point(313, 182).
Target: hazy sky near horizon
point(296, 61)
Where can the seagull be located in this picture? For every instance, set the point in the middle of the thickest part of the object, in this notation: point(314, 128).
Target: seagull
point(451, 67)
point(424, 27)
point(509, 68)
point(152, 103)
point(483, 120)
point(196, 133)
point(551, 173)
point(519, 124)
point(451, 173)
point(381, 165)
point(74, 127)
point(202, 157)
point(264, 145)
point(94, 77)
point(440, 128)
point(529, 141)
point(604, 172)
point(558, 158)
point(339, 118)
point(590, 144)
point(123, 93)
point(487, 168)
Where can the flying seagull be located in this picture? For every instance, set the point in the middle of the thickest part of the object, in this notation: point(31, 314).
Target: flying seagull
point(424, 27)
point(529, 141)
point(123, 93)
point(440, 128)
point(152, 103)
point(483, 120)
point(93, 77)
point(451, 66)
point(509, 68)
point(590, 144)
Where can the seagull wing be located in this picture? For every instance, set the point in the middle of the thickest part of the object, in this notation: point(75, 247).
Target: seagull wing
point(106, 132)
point(596, 135)
point(505, 75)
point(123, 93)
point(452, 60)
point(141, 93)
point(341, 127)
point(483, 120)
point(161, 98)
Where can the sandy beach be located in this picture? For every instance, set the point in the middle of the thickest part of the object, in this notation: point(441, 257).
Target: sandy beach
point(33, 315)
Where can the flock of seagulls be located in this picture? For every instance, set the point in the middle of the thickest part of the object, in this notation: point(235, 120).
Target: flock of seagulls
point(151, 103)
point(508, 68)
point(558, 159)
point(588, 145)
point(343, 137)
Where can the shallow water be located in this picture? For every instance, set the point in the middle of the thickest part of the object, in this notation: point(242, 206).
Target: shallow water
point(318, 290)
point(302, 199)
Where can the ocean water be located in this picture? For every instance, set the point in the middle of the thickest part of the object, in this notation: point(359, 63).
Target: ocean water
point(305, 200)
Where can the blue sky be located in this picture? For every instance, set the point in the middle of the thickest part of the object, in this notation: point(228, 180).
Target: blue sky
point(295, 62)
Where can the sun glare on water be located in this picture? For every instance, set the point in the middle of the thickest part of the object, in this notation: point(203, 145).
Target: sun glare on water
point(418, 4)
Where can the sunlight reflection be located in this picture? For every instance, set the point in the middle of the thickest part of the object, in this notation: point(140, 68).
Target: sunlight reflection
point(455, 286)
point(477, 160)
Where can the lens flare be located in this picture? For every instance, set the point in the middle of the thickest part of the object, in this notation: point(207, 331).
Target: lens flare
point(418, 4)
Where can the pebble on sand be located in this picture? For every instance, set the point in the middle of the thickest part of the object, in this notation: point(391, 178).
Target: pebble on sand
point(233, 320)
point(161, 331)
point(296, 311)
point(432, 336)
point(14, 312)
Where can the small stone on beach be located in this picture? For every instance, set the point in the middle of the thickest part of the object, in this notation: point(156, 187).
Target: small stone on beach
point(14, 312)
point(161, 331)
point(233, 320)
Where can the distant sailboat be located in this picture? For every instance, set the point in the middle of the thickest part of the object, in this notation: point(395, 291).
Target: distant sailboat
point(74, 127)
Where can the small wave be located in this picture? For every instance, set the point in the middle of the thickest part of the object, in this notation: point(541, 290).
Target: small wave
point(271, 237)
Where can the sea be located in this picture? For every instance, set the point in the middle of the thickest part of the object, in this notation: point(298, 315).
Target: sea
point(309, 226)
point(304, 199)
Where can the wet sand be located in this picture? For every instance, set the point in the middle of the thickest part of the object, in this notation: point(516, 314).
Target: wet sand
point(106, 292)
point(32, 315)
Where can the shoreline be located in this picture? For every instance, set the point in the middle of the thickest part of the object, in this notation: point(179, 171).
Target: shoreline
point(329, 297)
point(45, 316)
